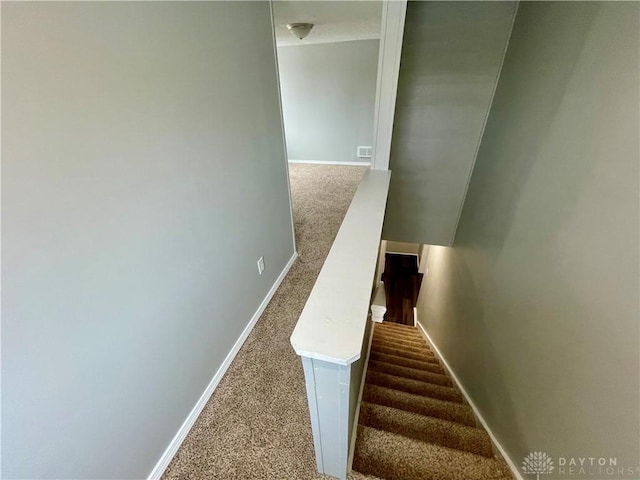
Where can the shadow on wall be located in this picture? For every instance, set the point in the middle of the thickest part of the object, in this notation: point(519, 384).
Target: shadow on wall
point(555, 65)
point(451, 57)
point(536, 305)
point(459, 303)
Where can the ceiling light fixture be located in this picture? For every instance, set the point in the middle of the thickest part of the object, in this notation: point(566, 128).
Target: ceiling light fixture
point(300, 30)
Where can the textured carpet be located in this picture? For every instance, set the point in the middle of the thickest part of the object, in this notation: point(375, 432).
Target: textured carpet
point(414, 424)
point(256, 424)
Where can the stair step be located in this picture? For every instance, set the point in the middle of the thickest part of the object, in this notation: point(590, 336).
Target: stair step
point(411, 385)
point(427, 429)
point(398, 326)
point(402, 346)
point(408, 372)
point(398, 329)
point(415, 337)
point(424, 356)
point(443, 409)
point(400, 339)
point(406, 362)
point(396, 457)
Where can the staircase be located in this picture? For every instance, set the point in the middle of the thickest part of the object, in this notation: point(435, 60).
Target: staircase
point(413, 421)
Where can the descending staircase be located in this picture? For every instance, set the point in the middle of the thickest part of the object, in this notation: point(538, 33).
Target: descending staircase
point(414, 423)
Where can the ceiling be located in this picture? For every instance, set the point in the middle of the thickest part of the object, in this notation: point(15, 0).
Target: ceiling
point(334, 21)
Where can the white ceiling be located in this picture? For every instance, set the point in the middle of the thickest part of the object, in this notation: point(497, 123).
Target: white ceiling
point(334, 21)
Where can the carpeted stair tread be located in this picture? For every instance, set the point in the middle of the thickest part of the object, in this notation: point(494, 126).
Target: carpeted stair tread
point(398, 337)
point(414, 424)
point(396, 457)
point(406, 362)
point(409, 332)
point(400, 330)
point(410, 336)
point(401, 352)
point(432, 407)
point(403, 346)
point(395, 339)
point(391, 336)
point(398, 326)
point(399, 344)
point(411, 385)
point(401, 339)
point(408, 372)
point(427, 429)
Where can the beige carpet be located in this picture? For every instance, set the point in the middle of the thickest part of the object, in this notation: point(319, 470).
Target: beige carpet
point(256, 425)
point(414, 423)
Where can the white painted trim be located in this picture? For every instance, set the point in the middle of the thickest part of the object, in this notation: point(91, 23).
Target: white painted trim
point(332, 324)
point(465, 394)
point(379, 305)
point(391, 34)
point(284, 139)
point(484, 125)
point(402, 253)
point(332, 162)
point(381, 260)
point(354, 428)
point(186, 426)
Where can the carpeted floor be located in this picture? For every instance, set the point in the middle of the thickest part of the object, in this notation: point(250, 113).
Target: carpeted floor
point(256, 424)
point(414, 423)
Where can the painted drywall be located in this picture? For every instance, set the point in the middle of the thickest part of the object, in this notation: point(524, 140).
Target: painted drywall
point(381, 262)
point(451, 57)
point(423, 256)
point(401, 247)
point(143, 174)
point(328, 97)
point(536, 307)
point(333, 21)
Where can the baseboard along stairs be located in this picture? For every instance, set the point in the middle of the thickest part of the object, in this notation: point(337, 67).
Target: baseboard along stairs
point(414, 423)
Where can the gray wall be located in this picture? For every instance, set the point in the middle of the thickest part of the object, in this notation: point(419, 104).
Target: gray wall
point(536, 305)
point(328, 97)
point(451, 57)
point(143, 175)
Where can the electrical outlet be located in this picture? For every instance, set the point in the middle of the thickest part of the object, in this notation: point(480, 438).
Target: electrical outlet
point(260, 265)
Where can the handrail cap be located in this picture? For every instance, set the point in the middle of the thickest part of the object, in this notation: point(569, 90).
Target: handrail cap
point(332, 324)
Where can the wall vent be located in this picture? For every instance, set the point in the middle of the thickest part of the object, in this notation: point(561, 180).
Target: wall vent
point(365, 152)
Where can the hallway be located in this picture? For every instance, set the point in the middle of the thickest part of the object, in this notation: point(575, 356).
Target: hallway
point(402, 285)
point(256, 424)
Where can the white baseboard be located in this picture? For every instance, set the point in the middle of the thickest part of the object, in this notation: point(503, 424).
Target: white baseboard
point(186, 426)
point(333, 162)
point(476, 412)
